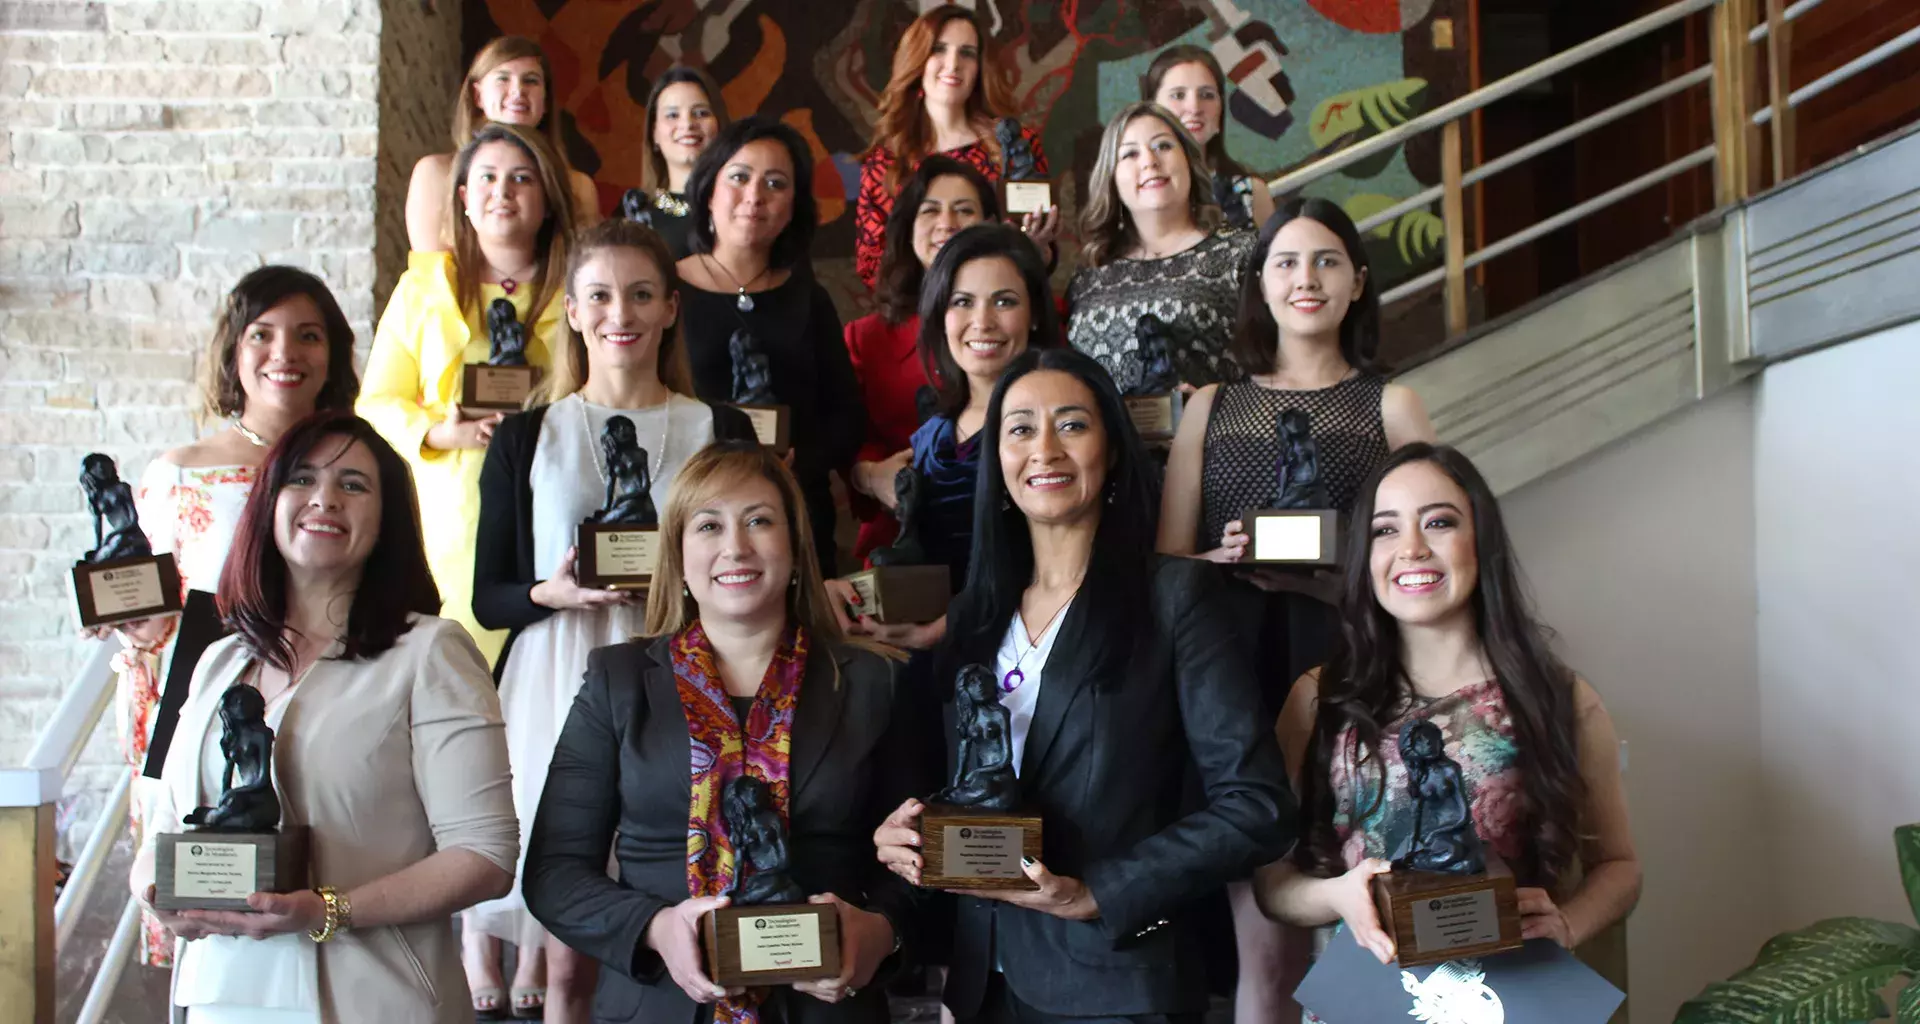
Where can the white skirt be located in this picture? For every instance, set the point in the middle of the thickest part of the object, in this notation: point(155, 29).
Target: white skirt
point(543, 675)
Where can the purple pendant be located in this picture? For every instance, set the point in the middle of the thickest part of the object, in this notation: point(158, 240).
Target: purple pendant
point(1012, 680)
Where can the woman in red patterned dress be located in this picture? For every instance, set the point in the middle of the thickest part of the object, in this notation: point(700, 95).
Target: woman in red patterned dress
point(944, 96)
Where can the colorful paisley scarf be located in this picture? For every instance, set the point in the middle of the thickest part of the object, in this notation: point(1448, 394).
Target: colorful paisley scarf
point(722, 748)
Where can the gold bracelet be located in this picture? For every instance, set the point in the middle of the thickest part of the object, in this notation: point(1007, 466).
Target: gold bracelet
point(339, 915)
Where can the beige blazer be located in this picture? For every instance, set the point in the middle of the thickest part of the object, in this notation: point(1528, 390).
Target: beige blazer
point(388, 760)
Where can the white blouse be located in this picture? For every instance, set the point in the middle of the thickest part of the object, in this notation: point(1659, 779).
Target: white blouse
point(1031, 660)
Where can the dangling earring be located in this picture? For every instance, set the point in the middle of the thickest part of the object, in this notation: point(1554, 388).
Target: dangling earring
point(794, 580)
point(684, 589)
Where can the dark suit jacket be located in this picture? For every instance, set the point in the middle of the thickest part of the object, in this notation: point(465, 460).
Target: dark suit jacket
point(1105, 762)
point(620, 781)
point(503, 576)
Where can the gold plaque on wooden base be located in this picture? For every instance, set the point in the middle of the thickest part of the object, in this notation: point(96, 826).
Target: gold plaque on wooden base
point(201, 869)
point(125, 589)
point(771, 424)
point(903, 593)
point(771, 944)
point(496, 388)
point(1434, 917)
point(1293, 536)
point(617, 556)
point(969, 849)
point(1156, 417)
point(1019, 198)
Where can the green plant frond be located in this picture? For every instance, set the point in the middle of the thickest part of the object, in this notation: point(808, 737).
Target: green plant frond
point(1896, 943)
point(1818, 986)
point(1361, 113)
point(1362, 205)
point(1418, 235)
point(1906, 847)
point(1908, 1011)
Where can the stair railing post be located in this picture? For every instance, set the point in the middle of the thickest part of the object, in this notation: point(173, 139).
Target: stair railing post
point(26, 913)
point(1779, 59)
point(1732, 86)
point(1453, 216)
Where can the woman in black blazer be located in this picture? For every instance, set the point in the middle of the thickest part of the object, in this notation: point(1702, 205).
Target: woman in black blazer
point(745, 671)
point(1119, 671)
point(544, 473)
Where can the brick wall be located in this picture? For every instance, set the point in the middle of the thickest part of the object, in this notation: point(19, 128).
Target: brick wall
point(150, 153)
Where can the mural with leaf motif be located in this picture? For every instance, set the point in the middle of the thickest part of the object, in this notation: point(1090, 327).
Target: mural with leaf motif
point(1308, 77)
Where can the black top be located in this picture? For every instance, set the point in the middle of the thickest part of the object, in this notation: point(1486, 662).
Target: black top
point(619, 782)
point(1108, 763)
point(503, 576)
point(798, 329)
point(674, 229)
point(1239, 467)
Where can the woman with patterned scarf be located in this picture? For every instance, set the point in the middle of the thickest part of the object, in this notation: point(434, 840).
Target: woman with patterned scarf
point(743, 671)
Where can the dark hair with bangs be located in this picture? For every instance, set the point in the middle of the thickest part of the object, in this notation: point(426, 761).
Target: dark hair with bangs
point(1117, 588)
point(395, 582)
point(1256, 341)
point(979, 242)
point(261, 290)
point(900, 270)
point(795, 240)
point(1365, 687)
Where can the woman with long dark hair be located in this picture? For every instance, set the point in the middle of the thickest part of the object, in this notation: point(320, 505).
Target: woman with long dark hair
point(752, 195)
point(387, 745)
point(281, 349)
point(685, 111)
point(1120, 673)
point(1309, 325)
point(1188, 82)
point(943, 198)
point(1436, 629)
point(742, 674)
point(945, 95)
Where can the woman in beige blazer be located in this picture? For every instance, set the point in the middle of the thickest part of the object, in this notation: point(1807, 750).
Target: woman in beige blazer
point(388, 746)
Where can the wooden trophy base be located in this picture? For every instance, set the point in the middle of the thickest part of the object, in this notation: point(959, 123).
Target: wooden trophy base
point(1155, 417)
point(772, 424)
point(1292, 536)
point(903, 593)
point(1434, 918)
point(125, 589)
point(1019, 198)
point(771, 944)
point(496, 388)
point(969, 849)
point(201, 869)
point(616, 556)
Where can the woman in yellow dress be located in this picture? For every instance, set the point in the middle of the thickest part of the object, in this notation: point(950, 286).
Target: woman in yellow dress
point(511, 215)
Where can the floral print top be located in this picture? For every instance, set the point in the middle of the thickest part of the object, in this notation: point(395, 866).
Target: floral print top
point(193, 513)
point(1479, 738)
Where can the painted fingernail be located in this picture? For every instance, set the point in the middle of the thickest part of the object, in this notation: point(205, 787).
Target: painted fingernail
point(1028, 861)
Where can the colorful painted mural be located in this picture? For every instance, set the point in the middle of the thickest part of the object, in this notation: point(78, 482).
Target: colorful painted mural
point(1309, 76)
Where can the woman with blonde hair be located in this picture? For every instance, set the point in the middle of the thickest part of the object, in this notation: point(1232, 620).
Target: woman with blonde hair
point(512, 220)
point(511, 82)
point(1154, 247)
point(945, 95)
point(743, 673)
point(543, 475)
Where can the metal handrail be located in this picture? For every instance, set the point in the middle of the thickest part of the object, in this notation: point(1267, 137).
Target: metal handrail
point(41, 777)
point(119, 951)
point(1792, 12)
point(1844, 72)
point(86, 871)
point(1487, 94)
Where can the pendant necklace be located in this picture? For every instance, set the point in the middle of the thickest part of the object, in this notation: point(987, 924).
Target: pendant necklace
point(258, 441)
point(743, 301)
point(507, 282)
point(1014, 677)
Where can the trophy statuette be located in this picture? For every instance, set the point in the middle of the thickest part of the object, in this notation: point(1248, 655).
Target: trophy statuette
point(1154, 399)
point(236, 847)
point(972, 834)
point(1022, 189)
point(121, 579)
point(618, 547)
point(899, 586)
point(768, 934)
point(505, 380)
point(1448, 897)
point(753, 391)
point(1299, 528)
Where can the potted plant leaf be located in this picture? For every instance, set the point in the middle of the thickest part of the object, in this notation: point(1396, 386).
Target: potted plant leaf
point(1836, 970)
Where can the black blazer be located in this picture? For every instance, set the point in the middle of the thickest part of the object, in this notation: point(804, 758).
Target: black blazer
point(1105, 763)
point(619, 780)
point(503, 543)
